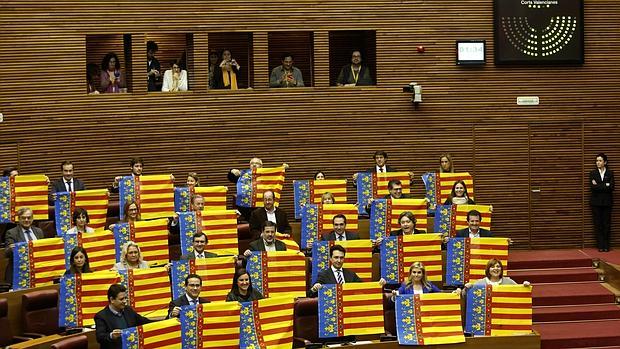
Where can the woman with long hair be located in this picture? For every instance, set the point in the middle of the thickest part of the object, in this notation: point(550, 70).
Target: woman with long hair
point(242, 290)
point(111, 78)
point(78, 260)
point(416, 283)
point(458, 195)
point(131, 258)
point(80, 222)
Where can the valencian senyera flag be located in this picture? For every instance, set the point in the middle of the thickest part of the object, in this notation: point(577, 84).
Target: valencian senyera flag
point(358, 257)
point(375, 186)
point(278, 273)
point(211, 325)
point(23, 191)
point(81, 296)
point(399, 252)
point(429, 319)
point(220, 226)
point(38, 263)
point(164, 334)
point(499, 310)
point(94, 201)
point(310, 192)
point(267, 323)
point(215, 272)
point(466, 258)
point(151, 236)
point(148, 290)
point(451, 218)
point(214, 197)
point(384, 215)
point(254, 182)
point(154, 195)
point(98, 245)
point(439, 185)
point(317, 219)
point(350, 309)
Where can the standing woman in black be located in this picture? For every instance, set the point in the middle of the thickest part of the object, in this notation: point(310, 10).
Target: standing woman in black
point(601, 200)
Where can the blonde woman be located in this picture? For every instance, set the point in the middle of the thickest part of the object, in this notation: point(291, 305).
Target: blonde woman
point(131, 258)
point(416, 283)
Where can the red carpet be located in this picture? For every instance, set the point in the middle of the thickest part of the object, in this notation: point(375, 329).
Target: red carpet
point(576, 312)
point(551, 275)
point(571, 294)
point(546, 259)
point(582, 334)
point(612, 257)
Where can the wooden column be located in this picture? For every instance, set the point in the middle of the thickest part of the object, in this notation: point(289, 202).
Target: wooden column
point(261, 59)
point(321, 58)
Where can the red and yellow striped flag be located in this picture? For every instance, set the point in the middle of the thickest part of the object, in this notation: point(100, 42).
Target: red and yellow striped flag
point(460, 217)
point(384, 215)
point(215, 324)
point(429, 319)
point(221, 229)
point(94, 201)
point(82, 296)
point(399, 252)
point(338, 187)
point(350, 309)
point(499, 310)
point(215, 196)
point(267, 323)
point(358, 257)
point(278, 273)
point(148, 290)
point(466, 258)
point(254, 183)
point(98, 245)
point(37, 263)
point(165, 334)
point(216, 274)
point(382, 179)
point(153, 193)
point(25, 191)
point(151, 236)
point(328, 211)
point(445, 182)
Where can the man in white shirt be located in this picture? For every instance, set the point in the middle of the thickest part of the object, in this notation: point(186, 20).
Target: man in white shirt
point(267, 241)
point(67, 183)
point(193, 286)
point(336, 274)
point(473, 230)
point(23, 232)
point(269, 212)
point(199, 243)
point(340, 232)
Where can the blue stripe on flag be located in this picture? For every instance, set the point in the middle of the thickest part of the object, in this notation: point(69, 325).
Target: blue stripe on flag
point(121, 236)
point(179, 271)
point(430, 180)
point(328, 311)
point(244, 189)
point(389, 260)
point(405, 320)
point(130, 338)
point(254, 267)
point(247, 333)
point(443, 219)
point(67, 302)
point(364, 191)
point(378, 216)
point(455, 262)
point(5, 200)
point(320, 258)
point(71, 242)
point(181, 199)
point(301, 196)
point(309, 224)
point(62, 209)
point(475, 315)
point(126, 192)
point(21, 266)
point(189, 327)
point(187, 229)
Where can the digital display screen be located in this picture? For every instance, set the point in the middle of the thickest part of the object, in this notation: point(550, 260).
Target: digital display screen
point(470, 52)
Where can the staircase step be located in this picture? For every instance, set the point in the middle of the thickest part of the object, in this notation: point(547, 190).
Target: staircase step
point(582, 334)
point(576, 312)
point(548, 259)
point(554, 275)
point(571, 293)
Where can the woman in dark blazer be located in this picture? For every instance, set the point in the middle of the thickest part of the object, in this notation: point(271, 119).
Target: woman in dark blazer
point(601, 201)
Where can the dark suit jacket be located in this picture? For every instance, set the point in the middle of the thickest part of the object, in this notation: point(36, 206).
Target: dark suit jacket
point(153, 81)
point(259, 216)
point(464, 233)
point(104, 323)
point(259, 245)
point(58, 186)
point(12, 236)
point(326, 277)
point(389, 196)
point(331, 236)
point(602, 191)
point(219, 77)
point(192, 255)
point(400, 232)
point(388, 168)
point(182, 301)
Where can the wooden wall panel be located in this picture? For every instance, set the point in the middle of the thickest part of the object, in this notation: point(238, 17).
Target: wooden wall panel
point(468, 111)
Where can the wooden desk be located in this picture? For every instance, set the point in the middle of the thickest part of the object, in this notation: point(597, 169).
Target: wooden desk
point(522, 342)
point(15, 306)
point(47, 341)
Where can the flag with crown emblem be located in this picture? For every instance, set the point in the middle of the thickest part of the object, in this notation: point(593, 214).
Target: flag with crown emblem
point(358, 257)
point(23, 191)
point(352, 308)
point(214, 197)
point(148, 290)
point(499, 310)
point(438, 185)
point(384, 215)
point(449, 219)
point(37, 263)
point(267, 323)
point(164, 334)
point(253, 183)
point(399, 252)
point(372, 185)
point(310, 191)
point(466, 258)
point(94, 201)
point(81, 296)
point(215, 272)
point(151, 236)
point(154, 195)
point(428, 319)
point(317, 219)
point(98, 245)
point(278, 272)
point(211, 325)
point(220, 226)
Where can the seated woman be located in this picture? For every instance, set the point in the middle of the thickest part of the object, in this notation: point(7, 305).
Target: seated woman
point(111, 78)
point(328, 198)
point(225, 75)
point(175, 79)
point(193, 180)
point(131, 212)
point(81, 220)
point(242, 290)
point(494, 272)
point(407, 223)
point(319, 175)
point(416, 282)
point(131, 258)
point(79, 262)
point(459, 195)
point(445, 163)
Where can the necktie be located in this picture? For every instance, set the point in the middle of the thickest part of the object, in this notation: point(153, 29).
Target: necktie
point(200, 255)
point(28, 235)
point(69, 187)
point(339, 278)
point(194, 302)
point(380, 169)
point(340, 237)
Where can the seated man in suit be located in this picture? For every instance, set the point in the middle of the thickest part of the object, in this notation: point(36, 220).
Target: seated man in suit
point(116, 316)
point(267, 240)
point(269, 213)
point(23, 232)
point(196, 203)
point(193, 286)
point(340, 232)
point(473, 231)
point(199, 243)
point(67, 183)
point(336, 274)
point(395, 188)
